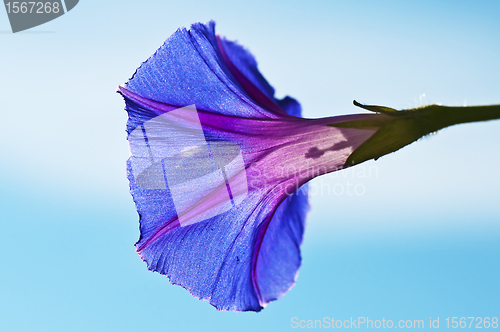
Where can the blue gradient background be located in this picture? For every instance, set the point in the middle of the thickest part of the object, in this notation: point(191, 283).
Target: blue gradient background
point(422, 241)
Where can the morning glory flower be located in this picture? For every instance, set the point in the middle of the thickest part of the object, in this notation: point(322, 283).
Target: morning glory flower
point(219, 166)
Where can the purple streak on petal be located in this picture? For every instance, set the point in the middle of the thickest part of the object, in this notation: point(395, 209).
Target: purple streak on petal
point(257, 95)
point(246, 64)
point(277, 260)
point(204, 38)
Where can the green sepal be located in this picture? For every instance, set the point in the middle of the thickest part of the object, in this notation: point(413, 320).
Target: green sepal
point(396, 129)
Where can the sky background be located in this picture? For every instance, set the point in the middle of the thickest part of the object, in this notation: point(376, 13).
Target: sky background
point(421, 238)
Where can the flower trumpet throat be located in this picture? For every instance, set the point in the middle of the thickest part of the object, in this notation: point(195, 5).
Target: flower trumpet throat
point(396, 129)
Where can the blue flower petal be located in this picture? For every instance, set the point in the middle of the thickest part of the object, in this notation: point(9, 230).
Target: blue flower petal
point(187, 70)
point(279, 257)
point(212, 259)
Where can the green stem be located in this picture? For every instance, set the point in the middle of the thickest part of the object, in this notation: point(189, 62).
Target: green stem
point(445, 116)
